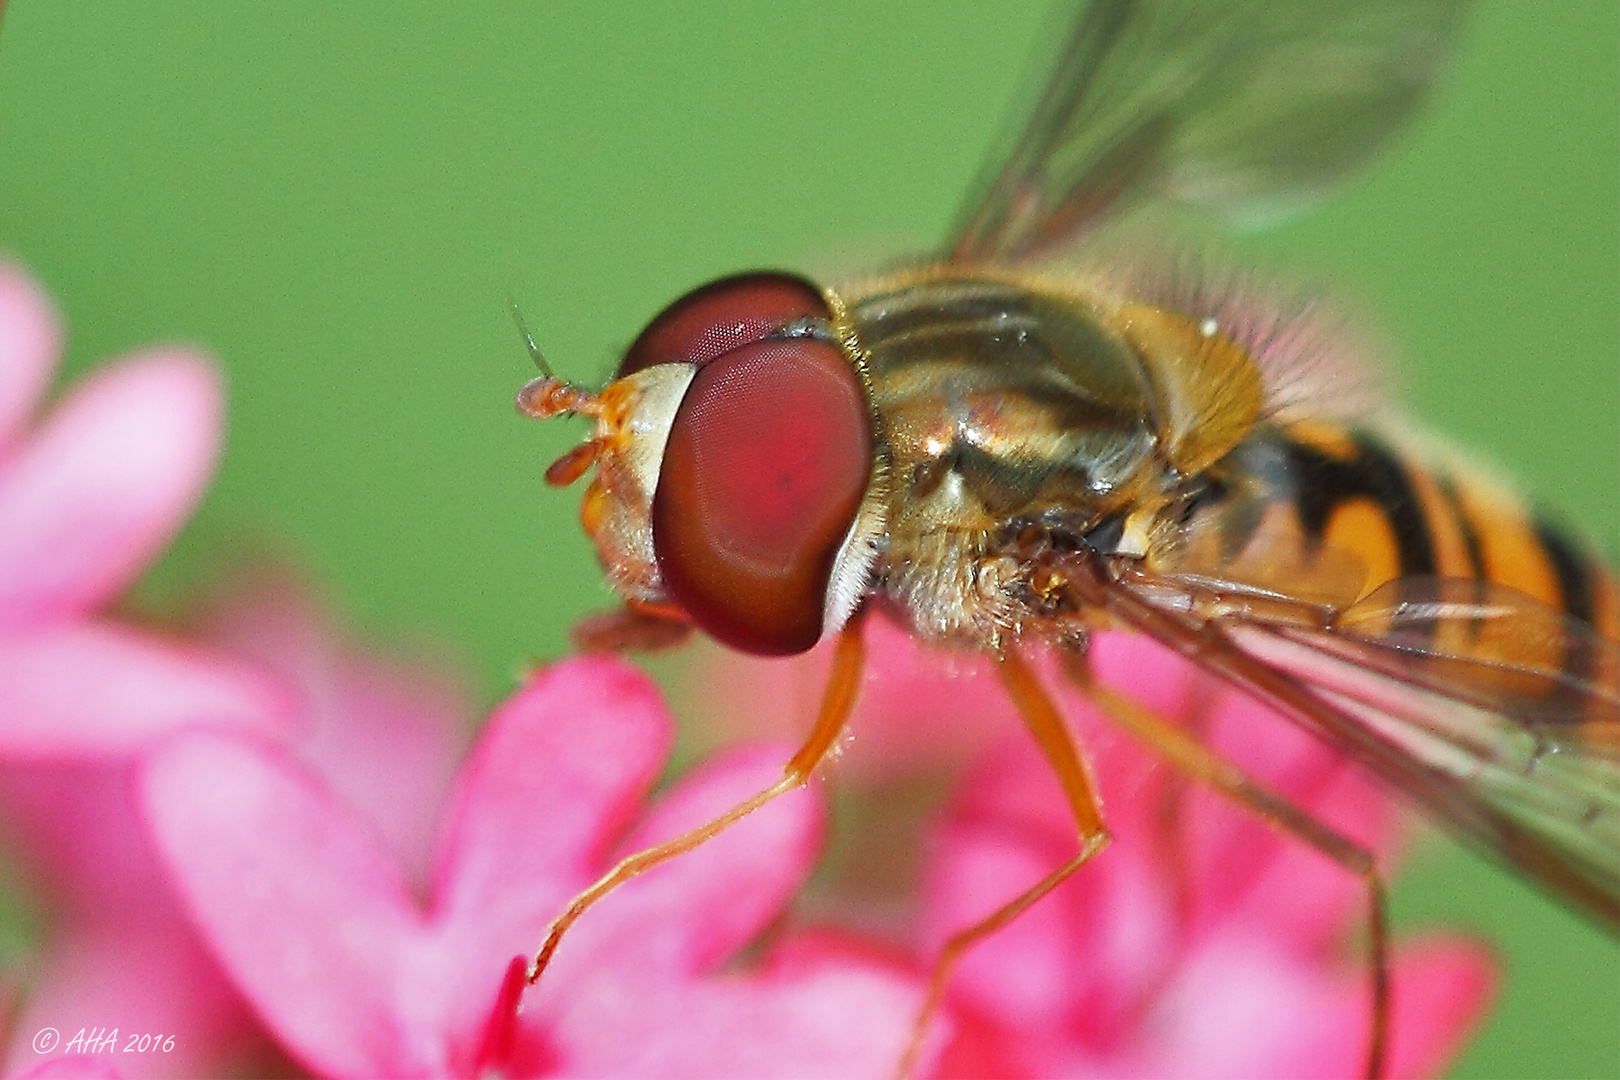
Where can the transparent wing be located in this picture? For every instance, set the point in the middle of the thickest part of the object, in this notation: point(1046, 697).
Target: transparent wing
point(1250, 109)
point(1496, 712)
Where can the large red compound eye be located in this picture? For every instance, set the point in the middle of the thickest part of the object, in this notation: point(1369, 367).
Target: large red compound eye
point(711, 321)
point(767, 462)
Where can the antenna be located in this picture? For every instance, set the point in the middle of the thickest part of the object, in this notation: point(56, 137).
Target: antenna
point(528, 339)
point(548, 395)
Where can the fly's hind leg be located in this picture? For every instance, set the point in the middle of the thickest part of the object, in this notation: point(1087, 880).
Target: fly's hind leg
point(836, 706)
point(1196, 760)
point(1046, 726)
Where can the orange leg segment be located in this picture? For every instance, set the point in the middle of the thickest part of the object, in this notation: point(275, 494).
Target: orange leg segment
point(1046, 725)
point(1187, 754)
point(836, 706)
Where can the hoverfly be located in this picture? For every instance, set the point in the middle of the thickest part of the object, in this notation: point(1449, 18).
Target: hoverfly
point(1006, 451)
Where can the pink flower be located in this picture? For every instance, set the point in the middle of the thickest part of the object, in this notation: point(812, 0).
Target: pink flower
point(88, 497)
point(360, 974)
point(124, 954)
point(77, 1067)
point(121, 956)
point(1199, 943)
point(384, 729)
point(300, 836)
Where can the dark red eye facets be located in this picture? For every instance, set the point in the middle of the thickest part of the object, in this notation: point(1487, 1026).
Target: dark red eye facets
point(767, 462)
point(720, 316)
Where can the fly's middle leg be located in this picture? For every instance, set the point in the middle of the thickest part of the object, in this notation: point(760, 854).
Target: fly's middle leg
point(1057, 743)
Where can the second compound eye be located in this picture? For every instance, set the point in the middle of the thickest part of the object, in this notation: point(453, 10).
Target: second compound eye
point(768, 459)
point(722, 315)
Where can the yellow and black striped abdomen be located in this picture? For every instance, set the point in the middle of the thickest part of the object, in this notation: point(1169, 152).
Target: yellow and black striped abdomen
point(1525, 550)
point(1342, 518)
point(1334, 514)
point(1406, 517)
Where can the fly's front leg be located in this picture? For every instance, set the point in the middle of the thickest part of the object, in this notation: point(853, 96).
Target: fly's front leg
point(836, 706)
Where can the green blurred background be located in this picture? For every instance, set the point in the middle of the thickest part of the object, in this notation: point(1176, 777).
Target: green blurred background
point(337, 202)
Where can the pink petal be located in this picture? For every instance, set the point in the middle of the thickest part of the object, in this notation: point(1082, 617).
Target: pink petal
point(104, 485)
point(1150, 673)
point(561, 768)
point(295, 897)
point(120, 952)
point(142, 976)
point(375, 734)
point(1237, 865)
point(836, 1020)
point(69, 824)
point(374, 724)
point(1245, 1008)
point(100, 690)
point(30, 341)
point(1443, 989)
point(73, 1067)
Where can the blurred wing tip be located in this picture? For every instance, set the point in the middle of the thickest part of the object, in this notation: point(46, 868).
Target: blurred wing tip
point(1251, 112)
